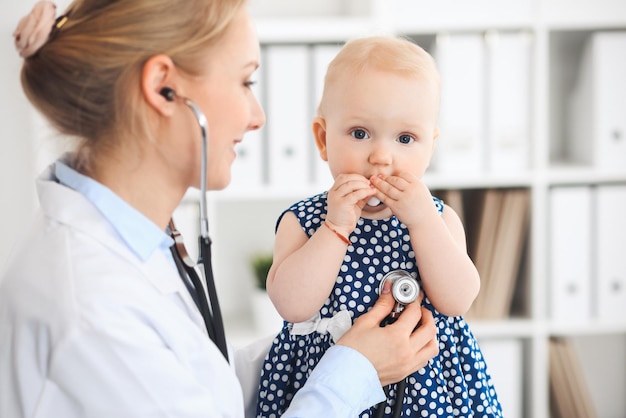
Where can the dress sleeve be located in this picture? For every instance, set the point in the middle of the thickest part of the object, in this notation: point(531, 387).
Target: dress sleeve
point(343, 384)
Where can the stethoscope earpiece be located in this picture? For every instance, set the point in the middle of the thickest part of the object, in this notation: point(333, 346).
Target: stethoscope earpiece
point(168, 93)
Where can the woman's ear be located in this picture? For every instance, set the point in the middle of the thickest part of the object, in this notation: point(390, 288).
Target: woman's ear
point(319, 132)
point(157, 73)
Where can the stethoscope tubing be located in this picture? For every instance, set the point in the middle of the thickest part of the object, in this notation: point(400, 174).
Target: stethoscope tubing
point(204, 132)
point(210, 311)
point(405, 289)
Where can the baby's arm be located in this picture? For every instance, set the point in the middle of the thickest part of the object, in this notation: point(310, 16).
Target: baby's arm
point(448, 275)
point(305, 269)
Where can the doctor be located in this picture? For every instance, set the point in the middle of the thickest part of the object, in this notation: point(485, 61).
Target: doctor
point(95, 320)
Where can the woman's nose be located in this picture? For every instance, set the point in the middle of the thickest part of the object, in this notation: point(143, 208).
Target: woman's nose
point(258, 116)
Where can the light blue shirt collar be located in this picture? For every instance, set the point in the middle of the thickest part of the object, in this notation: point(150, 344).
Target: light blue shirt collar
point(139, 233)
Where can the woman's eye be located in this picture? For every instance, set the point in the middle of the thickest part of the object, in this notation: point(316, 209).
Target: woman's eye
point(249, 83)
point(405, 139)
point(359, 134)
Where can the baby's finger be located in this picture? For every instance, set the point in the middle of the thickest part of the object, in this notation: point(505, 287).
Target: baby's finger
point(398, 182)
point(385, 190)
point(390, 185)
point(347, 184)
point(356, 189)
point(346, 177)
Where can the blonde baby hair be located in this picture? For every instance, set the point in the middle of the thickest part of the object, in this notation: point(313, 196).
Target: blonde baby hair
point(385, 53)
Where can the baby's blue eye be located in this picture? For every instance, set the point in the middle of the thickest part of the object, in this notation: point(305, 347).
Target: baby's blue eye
point(359, 134)
point(405, 139)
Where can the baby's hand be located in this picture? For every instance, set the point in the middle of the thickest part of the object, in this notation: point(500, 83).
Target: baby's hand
point(406, 195)
point(345, 200)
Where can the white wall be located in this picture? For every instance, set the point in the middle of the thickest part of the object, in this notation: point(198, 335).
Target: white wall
point(16, 165)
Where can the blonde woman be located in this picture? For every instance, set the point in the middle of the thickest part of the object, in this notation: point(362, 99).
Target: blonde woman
point(95, 320)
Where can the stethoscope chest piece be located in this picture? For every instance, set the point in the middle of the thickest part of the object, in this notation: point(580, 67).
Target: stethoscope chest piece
point(404, 288)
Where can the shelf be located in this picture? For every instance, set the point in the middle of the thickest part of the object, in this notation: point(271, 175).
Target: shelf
point(513, 180)
point(510, 328)
point(586, 328)
point(241, 331)
point(319, 9)
point(434, 182)
point(576, 175)
point(583, 14)
point(419, 16)
point(264, 193)
point(313, 30)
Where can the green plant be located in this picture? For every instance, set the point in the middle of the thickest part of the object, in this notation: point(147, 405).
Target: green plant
point(261, 264)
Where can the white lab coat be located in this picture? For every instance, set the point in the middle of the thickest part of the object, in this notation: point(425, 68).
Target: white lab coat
point(107, 335)
point(88, 330)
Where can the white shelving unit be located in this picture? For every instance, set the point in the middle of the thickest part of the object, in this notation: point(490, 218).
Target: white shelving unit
point(559, 30)
point(242, 218)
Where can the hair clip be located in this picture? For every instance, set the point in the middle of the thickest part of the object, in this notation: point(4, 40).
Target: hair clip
point(59, 23)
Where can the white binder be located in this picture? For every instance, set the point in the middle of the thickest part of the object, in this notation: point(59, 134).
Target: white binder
point(597, 114)
point(504, 358)
point(508, 101)
point(611, 253)
point(570, 249)
point(248, 170)
point(461, 143)
point(289, 116)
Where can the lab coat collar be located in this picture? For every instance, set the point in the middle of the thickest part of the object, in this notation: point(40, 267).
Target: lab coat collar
point(139, 233)
point(69, 207)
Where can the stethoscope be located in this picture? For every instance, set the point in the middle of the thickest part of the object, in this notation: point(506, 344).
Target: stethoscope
point(210, 309)
point(405, 289)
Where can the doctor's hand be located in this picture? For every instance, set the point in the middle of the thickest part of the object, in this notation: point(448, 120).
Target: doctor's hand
point(398, 349)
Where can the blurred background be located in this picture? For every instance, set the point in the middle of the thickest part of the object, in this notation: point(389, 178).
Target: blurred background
point(532, 155)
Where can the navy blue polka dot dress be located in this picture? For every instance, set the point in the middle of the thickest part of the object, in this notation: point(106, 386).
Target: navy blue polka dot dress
point(456, 383)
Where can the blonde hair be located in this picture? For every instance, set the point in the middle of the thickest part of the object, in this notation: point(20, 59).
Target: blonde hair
point(384, 53)
point(85, 79)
